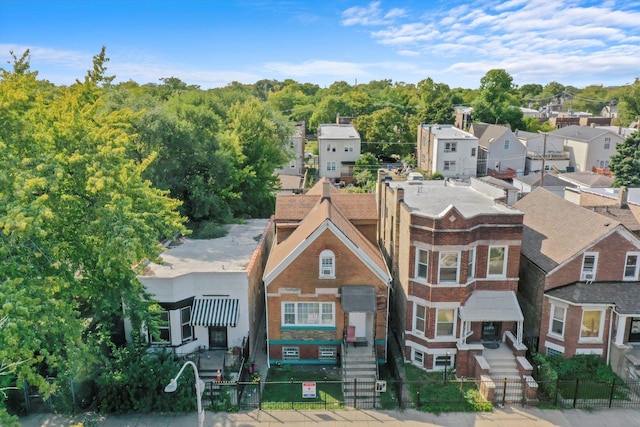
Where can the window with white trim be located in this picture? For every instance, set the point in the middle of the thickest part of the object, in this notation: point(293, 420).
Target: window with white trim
point(439, 362)
point(331, 166)
point(308, 314)
point(418, 357)
point(327, 265)
point(164, 329)
point(450, 147)
point(185, 324)
point(348, 148)
point(331, 147)
point(607, 143)
point(420, 318)
point(557, 320)
point(290, 353)
point(553, 352)
point(449, 165)
point(445, 322)
point(471, 266)
point(631, 266)
point(448, 267)
point(591, 326)
point(473, 151)
point(497, 261)
point(589, 266)
point(422, 263)
point(506, 144)
point(292, 164)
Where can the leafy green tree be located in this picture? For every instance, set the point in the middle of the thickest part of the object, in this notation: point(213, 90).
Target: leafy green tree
point(384, 132)
point(496, 102)
point(365, 170)
point(327, 110)
point(625, 164)
point(629, 107)
point(256, 141)
point(75, 215)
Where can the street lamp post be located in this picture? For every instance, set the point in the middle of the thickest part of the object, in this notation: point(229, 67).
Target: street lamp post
point(173, 386)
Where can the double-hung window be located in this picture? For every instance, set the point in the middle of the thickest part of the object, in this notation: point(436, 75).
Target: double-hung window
point(589, 266)
point(348, 148)
point(164, 329)
point(331, 166)
point(448, 268)
point(591, 326)
point(631, 266)
point(471, 266)
point(445, 322)
point(506, 144)
point(449, 165)
point(450, 147)
point(308, 314)
point(185, 323)
point(420, 319)
point(556, 324)
point(422, 263)
point(607, 143)
point(497, 261)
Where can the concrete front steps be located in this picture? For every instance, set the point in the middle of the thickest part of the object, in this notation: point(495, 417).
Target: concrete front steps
point(504, 371)
point(359, 375)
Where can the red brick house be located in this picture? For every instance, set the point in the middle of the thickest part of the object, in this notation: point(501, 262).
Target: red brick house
point(454, 253)
point(579, 286)
point(324, 273)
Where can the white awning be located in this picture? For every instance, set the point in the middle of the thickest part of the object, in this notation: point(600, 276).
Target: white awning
point(214, 312)
point(491, 306)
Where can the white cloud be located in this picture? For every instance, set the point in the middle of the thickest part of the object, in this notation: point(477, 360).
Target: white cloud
point(370, 15)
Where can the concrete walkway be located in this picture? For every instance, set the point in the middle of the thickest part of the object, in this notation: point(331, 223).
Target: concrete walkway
point(506, 417)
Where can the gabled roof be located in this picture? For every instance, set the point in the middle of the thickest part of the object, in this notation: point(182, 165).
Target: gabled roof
point(589, 179)
point(294, 207)
point(555, 230)
point(491, 134)
point(550, 180)
point(322, 217)
point(580, 133)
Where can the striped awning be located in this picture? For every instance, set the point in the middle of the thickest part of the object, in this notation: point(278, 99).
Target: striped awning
point(214, 312)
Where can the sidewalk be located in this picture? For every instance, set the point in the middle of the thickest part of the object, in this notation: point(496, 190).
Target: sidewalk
point(507, 417)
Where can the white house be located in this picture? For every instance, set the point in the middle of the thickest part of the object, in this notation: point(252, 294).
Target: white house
point(295, 166)
point(590, 148)
point(211, 290)
point(548, 154)
point(502, 154)
point(448, 150)
point(338, 150)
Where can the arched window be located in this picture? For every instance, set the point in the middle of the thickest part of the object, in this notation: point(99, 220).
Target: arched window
point(327, 265)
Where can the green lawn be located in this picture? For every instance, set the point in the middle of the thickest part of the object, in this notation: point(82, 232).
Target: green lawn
point(283, 388)
point(431, 394)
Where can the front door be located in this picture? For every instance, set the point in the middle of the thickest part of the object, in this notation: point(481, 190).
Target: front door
point(218, 337)
point(634, 331)
point(359, 320)
point(491, 331)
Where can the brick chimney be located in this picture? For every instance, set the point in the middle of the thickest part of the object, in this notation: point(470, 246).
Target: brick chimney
point(326, 190)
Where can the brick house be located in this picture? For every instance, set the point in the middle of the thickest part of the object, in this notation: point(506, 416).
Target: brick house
point(579, 287)
point(454, 252)
point(325, 272)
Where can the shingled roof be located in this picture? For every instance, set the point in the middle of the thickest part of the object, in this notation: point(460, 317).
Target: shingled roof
point(325, 215)
point(555, 230)
point(625, 296)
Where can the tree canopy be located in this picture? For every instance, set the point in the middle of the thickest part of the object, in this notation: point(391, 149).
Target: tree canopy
point(625, 164)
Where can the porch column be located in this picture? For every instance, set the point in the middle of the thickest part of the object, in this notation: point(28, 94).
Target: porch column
point(519, 332)
point(463, 332)
point(621, 324)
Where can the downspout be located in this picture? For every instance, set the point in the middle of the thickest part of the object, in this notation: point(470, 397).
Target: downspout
point(613, 308)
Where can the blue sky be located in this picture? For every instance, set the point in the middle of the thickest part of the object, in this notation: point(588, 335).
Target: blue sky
point(212, 43)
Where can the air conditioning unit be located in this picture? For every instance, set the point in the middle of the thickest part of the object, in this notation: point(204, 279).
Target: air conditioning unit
point(588, 276)
point(326, 272)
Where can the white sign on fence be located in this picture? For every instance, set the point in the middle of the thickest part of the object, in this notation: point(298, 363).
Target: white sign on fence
point(309, 390)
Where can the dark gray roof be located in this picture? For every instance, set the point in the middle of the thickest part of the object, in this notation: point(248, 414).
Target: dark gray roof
point(625, 295)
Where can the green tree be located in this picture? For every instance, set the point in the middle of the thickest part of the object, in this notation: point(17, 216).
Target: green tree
point(256, 141)
point(496, 103)
point(625, 164)
point(629, 106)
point(327, 110)
point(384, 132)
point(365, 170)
point(75, 216)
